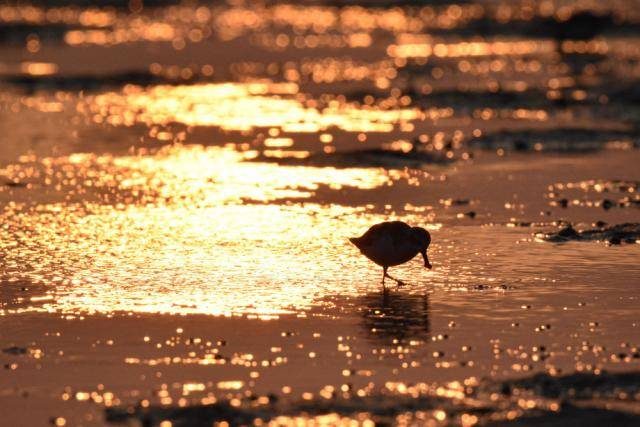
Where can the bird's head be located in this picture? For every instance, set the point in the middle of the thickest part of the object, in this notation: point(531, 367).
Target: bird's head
point(423, 239)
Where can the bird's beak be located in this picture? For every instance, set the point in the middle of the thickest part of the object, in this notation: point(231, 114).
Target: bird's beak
point(427, 264)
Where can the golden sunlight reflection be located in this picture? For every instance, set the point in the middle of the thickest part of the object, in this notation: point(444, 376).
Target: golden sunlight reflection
point(220, 260)
point(190, 175)
point(240, 107)
point(38, 68)
point(412, 46)
point(189, 241)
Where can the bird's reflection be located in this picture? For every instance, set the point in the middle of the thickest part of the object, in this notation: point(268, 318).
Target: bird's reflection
point(395, 318)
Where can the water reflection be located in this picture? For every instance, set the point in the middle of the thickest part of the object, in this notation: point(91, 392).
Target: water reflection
point(187, 230)
point(261, 260)
point(243, 107)
point(190, 175)
point(392, 318)
point(423, 47)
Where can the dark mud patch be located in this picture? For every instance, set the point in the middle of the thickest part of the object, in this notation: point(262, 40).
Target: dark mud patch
point(203, 415)
point(573, 416)
point(373, 158)
point(16, 33)
point(95, 82)
point(492, 287)
point(124, 5)
point(577, 386)
point(579, 26)
point(81, 82)
point(614, 235)
point(565, 400)
point(469, 100)
point(606, 204)
point(604, 186)
point(605, 194)
point(381, 408)
point(15, 350)
point(455, 202)
point(557, 140)
point(14, 184)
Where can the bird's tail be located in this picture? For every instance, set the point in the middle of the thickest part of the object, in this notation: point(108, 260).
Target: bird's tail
point(356, 241)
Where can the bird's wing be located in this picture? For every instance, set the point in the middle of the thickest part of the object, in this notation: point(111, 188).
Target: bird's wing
point(400, 233)
point(396, 230)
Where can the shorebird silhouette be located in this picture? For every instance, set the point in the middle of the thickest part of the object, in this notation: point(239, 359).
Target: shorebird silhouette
point(393, 243)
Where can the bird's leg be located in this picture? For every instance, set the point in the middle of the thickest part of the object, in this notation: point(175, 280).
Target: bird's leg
point(384, 275)
point(398, 282)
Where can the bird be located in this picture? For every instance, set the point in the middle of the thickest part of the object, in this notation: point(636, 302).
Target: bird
point(393, 243)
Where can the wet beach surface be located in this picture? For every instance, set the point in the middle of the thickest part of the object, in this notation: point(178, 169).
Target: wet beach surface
point(178, 185)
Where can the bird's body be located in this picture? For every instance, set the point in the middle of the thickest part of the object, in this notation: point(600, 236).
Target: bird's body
point(388, 244)
point(393, 243)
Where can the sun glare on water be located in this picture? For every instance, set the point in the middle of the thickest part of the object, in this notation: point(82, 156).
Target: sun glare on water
point(202, 231)
point(240, 107)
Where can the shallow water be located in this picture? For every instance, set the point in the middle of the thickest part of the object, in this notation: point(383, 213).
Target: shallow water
point(178, 186)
